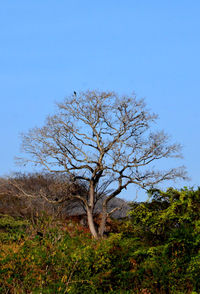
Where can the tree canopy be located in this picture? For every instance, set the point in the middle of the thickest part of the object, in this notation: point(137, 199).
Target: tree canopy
point(104, 140)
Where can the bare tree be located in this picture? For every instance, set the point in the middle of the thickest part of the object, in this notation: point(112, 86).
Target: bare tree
point(26, 194)
point(100, 137)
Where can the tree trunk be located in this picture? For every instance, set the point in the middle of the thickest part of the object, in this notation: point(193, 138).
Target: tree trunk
point(90, 208)
point(91, 195)
point(103, 221)
point(91, 223)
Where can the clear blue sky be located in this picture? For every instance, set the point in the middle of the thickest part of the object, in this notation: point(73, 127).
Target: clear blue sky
point(50, 48)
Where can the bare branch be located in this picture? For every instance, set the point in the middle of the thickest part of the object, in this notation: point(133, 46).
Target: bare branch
point(98, 135)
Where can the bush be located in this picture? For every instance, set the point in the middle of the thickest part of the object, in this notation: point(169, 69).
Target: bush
point(156, 251)
point(168, 228)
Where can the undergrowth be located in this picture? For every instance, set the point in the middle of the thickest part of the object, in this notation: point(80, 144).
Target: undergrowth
point(156, 251)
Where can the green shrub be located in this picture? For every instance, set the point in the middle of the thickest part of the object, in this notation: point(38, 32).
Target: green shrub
point(168, 228)
point(156, 251)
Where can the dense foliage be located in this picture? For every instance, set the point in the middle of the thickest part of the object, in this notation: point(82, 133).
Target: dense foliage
point(168, 228)
point(155, 251)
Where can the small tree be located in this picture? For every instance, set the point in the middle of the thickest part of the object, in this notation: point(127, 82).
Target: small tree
point(101, 138)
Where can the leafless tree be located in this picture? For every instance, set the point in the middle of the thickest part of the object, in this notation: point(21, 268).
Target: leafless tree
point(32, 194)
point(100, 137)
